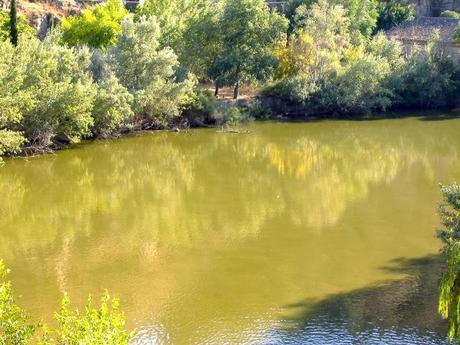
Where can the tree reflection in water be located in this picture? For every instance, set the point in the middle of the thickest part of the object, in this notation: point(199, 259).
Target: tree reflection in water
point(233, 227)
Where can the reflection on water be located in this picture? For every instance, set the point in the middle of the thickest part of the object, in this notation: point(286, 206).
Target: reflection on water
point(279, 236)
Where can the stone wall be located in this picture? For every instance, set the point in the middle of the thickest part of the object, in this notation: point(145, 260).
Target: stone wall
point(433, 8)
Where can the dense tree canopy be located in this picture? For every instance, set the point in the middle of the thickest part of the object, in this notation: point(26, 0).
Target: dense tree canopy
point(97, 27)
point(247, 30)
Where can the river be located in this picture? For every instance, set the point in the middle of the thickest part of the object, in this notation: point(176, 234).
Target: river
point(295, 233)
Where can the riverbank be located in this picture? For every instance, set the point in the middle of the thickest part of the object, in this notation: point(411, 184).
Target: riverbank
point(186, 123)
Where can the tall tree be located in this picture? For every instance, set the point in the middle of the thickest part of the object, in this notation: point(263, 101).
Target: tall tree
point(13, 23)
point(248, 31)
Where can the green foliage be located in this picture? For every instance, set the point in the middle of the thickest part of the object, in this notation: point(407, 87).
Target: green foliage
point(328, 26)
point(45, 91)
point(201, 42)
point(10, 142)
point(323, 70)
point(360, 86)
point(14, 326)
point(201, 109)
point(233, 116)
point(247, 30)
point(450, 14)
point(449, 290)
point(290, 12)
point(21, 24)
point(149, 71)
point(392, 13)
point(431, 78)
point(173, 17)
point(112, 107)
point(96, 325)
point(361, 14)
point(97, 27)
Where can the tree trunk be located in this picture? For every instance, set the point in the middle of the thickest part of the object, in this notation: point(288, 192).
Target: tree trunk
point(216, 92)
point(13, 23)
point(236, 91)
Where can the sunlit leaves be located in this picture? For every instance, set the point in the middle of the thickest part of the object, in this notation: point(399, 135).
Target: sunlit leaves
point(449, 290)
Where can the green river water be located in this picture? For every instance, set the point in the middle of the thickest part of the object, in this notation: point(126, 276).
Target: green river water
point(295, 233)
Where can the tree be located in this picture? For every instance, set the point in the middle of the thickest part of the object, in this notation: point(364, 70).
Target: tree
point(173, 17)
point(201, 43)
point(449, 288)
point(329, 28)
point(248, 31)
point(392, 13)
point(97, 27)
point(432, 79)
point(362, 15)
point(148, 71)
point(21, 23)
point(13, 23)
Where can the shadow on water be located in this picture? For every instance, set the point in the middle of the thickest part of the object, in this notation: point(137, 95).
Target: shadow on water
point(427, 115)
point(400, 311)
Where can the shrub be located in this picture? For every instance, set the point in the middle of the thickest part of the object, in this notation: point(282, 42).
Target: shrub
point(97, 27)
point(14, 326)
point(360, 87)
point(45, 92)
point(392, 13)
point(450, 14)
point(148, 72)
point(62, 91)
point(449, 290)
point(10, 142)
point(232, 116)
point(24, 29)
point(431, 78)
point(202, 108)
point(96, 325)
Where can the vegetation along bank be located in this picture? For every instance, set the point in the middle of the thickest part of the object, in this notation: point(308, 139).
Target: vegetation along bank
point(106, 71)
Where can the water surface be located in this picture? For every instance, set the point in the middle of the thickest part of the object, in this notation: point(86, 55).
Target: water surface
point(312, 233)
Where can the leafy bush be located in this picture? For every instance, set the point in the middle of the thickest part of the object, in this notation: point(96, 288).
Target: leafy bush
point(449, 290)
point(46, 92)
point(232, 116)
point(201, 109)
point(14, 326)
point(360, 86)
point(97, 27)
point(322, 71)
point(112, 107)
point(392, 13)
point(148, 72)
point(431, 78)
point(450, 14)
point(24, 29)
point(10, 142)
point(260, 112)
point(96, 326)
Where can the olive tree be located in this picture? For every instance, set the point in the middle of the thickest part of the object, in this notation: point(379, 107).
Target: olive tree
point(45, 92)
point(149, 72)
